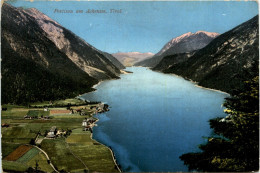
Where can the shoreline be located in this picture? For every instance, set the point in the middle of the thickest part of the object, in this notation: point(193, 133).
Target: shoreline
point(125, 72)
point(199, 86)
point(91, 137)
point(92, 115)
point(112, 153)
point(190, 80)
point(96, 85)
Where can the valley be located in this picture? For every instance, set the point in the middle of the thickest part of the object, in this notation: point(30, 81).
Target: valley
point(71, 106)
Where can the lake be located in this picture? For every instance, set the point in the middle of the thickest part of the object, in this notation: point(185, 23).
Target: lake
point(154, 118)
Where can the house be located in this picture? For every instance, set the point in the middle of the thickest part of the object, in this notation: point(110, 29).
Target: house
point(84, 123)
point(50, 135)
point(60, 132)
point(52, 132)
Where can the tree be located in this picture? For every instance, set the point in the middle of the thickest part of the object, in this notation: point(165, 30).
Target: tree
point(32, 141)
point(235, 144)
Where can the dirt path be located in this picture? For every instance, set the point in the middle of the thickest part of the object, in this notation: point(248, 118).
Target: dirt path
point(47, 158)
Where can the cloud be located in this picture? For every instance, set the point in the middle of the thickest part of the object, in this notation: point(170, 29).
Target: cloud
point(224, 14)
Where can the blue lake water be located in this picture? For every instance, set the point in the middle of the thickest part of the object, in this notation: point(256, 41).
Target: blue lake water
point(154, 118)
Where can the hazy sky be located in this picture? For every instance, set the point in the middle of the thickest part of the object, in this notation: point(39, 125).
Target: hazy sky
point(144, 26)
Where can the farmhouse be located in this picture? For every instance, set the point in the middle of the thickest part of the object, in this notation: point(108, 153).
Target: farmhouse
point(60, 132)
point(86, 125)
point(52, 132)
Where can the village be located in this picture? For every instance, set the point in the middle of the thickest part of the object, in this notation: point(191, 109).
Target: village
point(54, 132)
point(47, 133)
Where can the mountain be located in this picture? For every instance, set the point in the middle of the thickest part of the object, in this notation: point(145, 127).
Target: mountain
point(227, 61)
point(130, 58)
point(185, 43)
point(171, 60)
point(115, 61)
point(41, 60)
point(85, 56)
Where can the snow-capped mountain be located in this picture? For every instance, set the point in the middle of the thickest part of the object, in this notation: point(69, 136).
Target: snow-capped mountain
point(185, 43)
point(188, 42)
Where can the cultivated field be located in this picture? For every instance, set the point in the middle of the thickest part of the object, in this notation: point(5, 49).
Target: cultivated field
point(28, 155)
point(17, 153)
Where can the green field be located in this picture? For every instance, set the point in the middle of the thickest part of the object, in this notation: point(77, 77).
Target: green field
point(28, 160)
point(17, 134)
point(13, 113)
point(38, 113)
point(96, 156)
point(41, 159)
point(72, 101)
point(60, 155)
point(14, 166)
point(80, 137)
point(7, 148)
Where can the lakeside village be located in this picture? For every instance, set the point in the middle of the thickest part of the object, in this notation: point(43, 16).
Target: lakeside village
point(82, 110)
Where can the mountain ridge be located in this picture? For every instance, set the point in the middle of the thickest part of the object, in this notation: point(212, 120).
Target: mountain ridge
point(45, 60)
point(227, 61)
point(184, 43)
point(130, 58)
point(94, 64)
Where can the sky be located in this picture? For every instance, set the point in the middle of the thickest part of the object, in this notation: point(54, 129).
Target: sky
point(143, 26)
